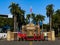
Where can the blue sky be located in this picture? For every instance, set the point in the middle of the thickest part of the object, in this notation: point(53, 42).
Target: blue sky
point(38, 6)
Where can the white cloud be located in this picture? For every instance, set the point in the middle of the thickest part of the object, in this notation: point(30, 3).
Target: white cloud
point(10, 16)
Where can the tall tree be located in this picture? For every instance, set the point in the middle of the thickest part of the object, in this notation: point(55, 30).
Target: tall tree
point(32, 16)
point(38, 18)
point(56, 20)
point(42, 18)
point(21, 18)
point(14, 9)
point(28, 18)
point(49, 13)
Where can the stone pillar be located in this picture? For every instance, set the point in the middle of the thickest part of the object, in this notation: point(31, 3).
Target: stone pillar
point(12, 36)
point(8, 36)
point(49, 36)
point(53, 35)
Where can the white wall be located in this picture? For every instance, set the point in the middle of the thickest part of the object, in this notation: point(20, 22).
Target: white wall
point(2, 35)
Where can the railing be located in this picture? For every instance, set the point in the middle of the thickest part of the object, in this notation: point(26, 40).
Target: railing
point(35, 37)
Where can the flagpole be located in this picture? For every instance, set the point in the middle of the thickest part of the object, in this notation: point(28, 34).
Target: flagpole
point(30, 14)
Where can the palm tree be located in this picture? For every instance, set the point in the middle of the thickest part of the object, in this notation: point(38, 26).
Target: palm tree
point(49, 13)
point(32, 16)
point(18, 15)
point(56, 19)
point(28, 17)
point(38, 18)
point(42, 18)
point(14, 9)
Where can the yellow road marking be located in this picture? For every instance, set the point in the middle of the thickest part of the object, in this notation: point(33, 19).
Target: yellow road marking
point(30, 43)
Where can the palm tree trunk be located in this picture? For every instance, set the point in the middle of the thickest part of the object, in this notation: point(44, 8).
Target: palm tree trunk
point(42, 25)
point(38, 28)
point(50, 19)
point(15, 24)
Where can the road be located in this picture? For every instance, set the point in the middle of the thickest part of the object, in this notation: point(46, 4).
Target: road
point(57, 42)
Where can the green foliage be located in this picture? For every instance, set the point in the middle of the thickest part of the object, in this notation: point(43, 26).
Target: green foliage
point(49, 13)
point(14, 8)
point(28, 17)
point(18, 14)
point(58, 34)
point(49, 10)
point(17, 11)
point(56, 18)
point(4, 21)
point(36, 18)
